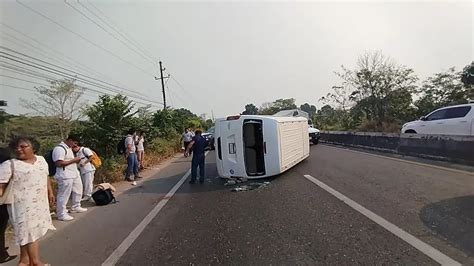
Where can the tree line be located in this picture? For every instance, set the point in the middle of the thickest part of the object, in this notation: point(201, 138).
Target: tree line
point(379, 94)
point(60, 110)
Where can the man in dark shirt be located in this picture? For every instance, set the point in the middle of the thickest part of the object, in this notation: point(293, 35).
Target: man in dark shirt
point(198, 144)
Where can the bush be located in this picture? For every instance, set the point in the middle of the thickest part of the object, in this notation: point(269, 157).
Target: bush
point(373, 126)
point(156, 150)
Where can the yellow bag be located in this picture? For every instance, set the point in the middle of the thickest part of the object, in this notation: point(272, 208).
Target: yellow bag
point(95, 160)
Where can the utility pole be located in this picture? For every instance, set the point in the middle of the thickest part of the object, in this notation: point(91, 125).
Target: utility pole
point(163, 84)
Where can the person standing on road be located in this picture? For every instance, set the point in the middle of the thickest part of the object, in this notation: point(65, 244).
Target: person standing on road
point(131, 156)
point(198, 144)
point(86, 169)
point(68, 178)
point(187, 138)
point(31, 197)
point(141, 149)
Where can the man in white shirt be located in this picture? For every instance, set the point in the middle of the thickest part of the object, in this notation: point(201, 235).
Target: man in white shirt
point(86, 169)
point(68, 178)
point(131, 155)
point(187, 138)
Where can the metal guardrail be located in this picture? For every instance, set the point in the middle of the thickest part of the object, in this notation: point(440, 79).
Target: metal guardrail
point(459, 149)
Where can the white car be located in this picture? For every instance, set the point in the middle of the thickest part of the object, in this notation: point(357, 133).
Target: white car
point(451, 120)
point(314, 135)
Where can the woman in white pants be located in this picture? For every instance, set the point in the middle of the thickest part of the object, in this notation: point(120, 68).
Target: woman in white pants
point(141, 149)
point(87, 170)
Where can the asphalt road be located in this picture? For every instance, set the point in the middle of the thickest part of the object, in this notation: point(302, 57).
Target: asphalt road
point(289, 221)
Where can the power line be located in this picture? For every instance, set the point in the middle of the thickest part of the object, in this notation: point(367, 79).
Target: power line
point(86, 68)
point(104, 29)
point(119, 30)
point(27, 46)
point(84, 38)
point(25, 80)
point(85, 88)
point(25, 71)
point(63, 74)
point(76, 73)
point(177, 82)
point(16, 87)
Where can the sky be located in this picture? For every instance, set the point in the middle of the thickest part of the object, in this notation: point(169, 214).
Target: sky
point(223, 55)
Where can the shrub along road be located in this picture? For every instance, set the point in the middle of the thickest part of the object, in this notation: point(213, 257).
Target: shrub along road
point(292, 220)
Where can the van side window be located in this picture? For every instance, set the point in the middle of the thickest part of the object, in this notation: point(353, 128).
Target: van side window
point(457, 112)
point(441, 114)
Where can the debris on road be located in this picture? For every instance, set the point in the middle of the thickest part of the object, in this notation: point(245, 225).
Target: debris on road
point(235, 180)
point(230, 183)
point(250, 186)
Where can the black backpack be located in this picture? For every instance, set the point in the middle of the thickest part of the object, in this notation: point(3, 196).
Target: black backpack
point(49, 159)
point(121, 146)
point(103, 197)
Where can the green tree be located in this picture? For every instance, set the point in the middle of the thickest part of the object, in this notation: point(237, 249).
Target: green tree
point(441, 89)
point(163, 120)
point(284, 104)
point(3, 114)
point(143, 121)
point(169, 122)
point(375, 83)
point(467, 75)
point(250, 109)
point(267, 109)
point(108, 120)
point(467, 78)
point(208, 124)
point(340, 95)
point(61, 100)
point(41, 127)
point(310, 109)
point(277, 106)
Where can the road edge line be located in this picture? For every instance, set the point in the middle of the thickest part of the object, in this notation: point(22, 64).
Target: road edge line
point(128, 241)
point(423, 247)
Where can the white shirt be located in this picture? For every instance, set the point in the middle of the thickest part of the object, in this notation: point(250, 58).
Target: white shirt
point(65, 153)
point(84, 153)
point(130, 140)
point(188, 136)
point(140, 144)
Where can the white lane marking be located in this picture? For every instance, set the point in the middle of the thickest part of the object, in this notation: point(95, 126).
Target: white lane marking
point(407, 161)
point(128, 241)
point(426, 249)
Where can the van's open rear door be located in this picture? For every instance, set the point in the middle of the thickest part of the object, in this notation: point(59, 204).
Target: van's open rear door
point(254, 147)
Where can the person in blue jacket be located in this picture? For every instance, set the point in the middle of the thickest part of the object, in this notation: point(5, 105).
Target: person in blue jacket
point(198, 144)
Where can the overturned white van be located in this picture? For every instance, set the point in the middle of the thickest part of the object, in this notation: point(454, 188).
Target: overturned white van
point(255, 146)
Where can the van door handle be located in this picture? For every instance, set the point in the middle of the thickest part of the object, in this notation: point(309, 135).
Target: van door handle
point(462, 121)
point(440, 123)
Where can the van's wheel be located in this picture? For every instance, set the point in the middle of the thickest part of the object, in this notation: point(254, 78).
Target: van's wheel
point(410, 131)
point(315, 141)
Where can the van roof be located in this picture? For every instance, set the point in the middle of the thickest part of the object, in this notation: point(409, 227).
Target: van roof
point(275, 118)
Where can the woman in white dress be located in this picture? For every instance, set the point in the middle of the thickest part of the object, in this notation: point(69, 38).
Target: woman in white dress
point(31, 188)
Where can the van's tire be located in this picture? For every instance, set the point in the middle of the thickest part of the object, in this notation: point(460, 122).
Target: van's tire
point(315, 141)
point(410, 131)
